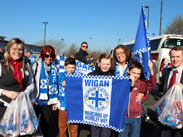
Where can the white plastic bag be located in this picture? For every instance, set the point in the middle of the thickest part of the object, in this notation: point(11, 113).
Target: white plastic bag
point(10, 121)
point(28, 119)
point(170, 108)
point(19, 118)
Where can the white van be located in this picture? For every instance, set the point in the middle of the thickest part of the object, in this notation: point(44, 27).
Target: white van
point(160, 47)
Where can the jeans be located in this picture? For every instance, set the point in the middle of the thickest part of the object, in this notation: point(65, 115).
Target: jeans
point(131, 127)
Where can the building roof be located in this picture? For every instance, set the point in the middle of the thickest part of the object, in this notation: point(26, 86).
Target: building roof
point(2, 37)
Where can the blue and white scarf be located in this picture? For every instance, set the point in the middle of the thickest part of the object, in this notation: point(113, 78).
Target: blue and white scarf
point(61, 94)
point(117, 71)
point(48, 84)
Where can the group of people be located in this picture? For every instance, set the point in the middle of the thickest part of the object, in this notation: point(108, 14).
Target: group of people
point(46, 88)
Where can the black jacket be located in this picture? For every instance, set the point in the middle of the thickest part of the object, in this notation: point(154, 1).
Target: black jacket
point(99, 72)
point(164, 83)
point(8, 82)
point(81, 56)
point(1, 55)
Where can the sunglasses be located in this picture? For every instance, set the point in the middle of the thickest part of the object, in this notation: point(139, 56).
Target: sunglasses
point(85, 46)
point(47, 56)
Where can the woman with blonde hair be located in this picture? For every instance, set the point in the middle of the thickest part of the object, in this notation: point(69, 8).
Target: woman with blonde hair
point(15, 74)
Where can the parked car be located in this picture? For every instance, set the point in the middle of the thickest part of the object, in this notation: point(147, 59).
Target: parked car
point(160, 48)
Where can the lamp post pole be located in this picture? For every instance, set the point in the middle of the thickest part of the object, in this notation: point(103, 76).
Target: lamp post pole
point(119, 41)
point(147, 17)
point(45, 23)
point(161, 16)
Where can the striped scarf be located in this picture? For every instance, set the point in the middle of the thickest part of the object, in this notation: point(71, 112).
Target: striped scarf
point(48, 84)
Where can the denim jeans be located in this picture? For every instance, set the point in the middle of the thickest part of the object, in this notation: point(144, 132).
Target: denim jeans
point(131, 127)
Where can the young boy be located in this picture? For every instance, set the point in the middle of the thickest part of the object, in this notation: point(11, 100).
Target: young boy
point(132, 121)
point(70, 65)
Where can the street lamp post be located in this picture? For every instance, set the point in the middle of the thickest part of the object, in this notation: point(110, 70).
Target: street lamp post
point(161, 16)
point(45, 23)
point(119, 41)
point(90, 40)
point(147, 17)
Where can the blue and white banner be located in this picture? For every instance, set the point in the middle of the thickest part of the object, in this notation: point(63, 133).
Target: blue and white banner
point(142, 51)
point(32, 59)
point(97, 100)
point(81, 68)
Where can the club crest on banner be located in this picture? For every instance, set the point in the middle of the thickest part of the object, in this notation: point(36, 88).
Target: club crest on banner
point(96, 99)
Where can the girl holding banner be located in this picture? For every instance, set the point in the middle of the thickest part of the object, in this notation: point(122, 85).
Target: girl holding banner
point(105, 68)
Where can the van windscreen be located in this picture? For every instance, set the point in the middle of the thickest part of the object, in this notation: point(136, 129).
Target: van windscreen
point(170, 43)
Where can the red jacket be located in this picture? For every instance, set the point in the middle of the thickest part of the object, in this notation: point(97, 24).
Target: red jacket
point(141, 86)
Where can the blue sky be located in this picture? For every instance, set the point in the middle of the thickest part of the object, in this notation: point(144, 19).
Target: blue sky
point(105, 21)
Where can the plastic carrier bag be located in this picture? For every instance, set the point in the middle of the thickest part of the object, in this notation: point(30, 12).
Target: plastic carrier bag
point(28, 118)
point(170, 108)
point(10, 120)
point(19, 118)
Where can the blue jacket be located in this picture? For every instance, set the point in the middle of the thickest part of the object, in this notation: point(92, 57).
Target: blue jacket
point(61, 93)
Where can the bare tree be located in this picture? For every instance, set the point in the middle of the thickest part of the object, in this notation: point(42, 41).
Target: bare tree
point(96, 54)
point(176, 26)
point(71, 50)
point(107, 50)
point(39, 43)
point(59, 45)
